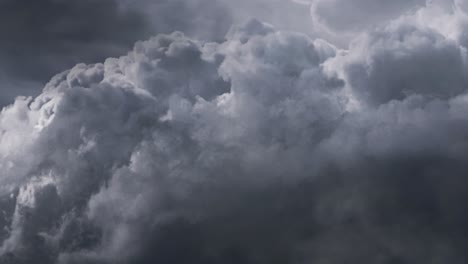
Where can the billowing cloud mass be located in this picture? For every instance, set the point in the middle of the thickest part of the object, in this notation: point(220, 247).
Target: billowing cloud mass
point(264, 146)
point(43, 37)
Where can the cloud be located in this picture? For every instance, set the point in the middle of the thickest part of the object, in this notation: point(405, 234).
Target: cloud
point(202, 19)
point(268, 146)
point(44, 37)
point(340, 21)
point(186, 115)
point(41, 38)
point(403, 59)
point(359, 15)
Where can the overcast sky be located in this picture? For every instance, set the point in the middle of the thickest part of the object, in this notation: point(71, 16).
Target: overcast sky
point(247, 132)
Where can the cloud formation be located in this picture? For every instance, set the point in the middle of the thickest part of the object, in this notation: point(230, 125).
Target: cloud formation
point(359, 15)
point(43, 37)
point(269, 146)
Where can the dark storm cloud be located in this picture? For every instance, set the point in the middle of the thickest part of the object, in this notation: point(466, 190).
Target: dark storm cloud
point(402, 60)
point(43, 37)
point(266, 147)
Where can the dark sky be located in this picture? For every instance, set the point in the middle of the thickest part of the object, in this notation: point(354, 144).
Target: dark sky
point(322, 131)
point(43, 37)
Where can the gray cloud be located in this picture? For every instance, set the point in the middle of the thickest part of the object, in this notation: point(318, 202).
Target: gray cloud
point(358, 15)
point(186, 115)
point(41, 38)
point(48, 36)
point(47, 22)
point(401, 60)
point(266, 147)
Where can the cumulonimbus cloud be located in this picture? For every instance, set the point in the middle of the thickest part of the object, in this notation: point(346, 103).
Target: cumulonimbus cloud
point(267, 147)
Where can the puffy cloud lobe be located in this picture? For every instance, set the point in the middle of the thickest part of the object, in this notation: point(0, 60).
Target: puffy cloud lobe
point(418, 53)
point(448, 18)
point(244, 151)
point(404, 59)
